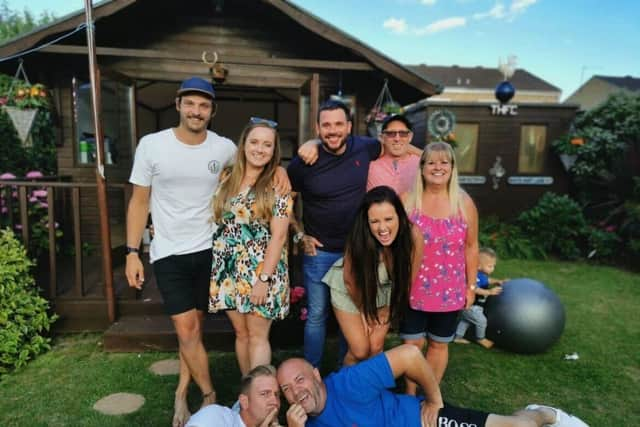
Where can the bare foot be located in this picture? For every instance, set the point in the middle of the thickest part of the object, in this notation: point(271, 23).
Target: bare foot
point(485, 343)
point(461, 341)
point(208, 398)
point(181, 412)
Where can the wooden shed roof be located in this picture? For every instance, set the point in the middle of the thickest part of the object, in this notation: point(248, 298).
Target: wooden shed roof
point(296, 13)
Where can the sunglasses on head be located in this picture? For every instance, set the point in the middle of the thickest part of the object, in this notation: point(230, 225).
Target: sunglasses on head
point(260, 121)
point(394, 133)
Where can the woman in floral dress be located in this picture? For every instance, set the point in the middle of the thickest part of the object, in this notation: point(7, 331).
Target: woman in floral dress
point(446, 279)
point(249, 273)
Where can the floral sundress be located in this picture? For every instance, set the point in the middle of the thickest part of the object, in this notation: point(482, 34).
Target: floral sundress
point(239, 246)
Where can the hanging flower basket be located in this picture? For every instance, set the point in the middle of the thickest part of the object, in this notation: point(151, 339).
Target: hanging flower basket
point(22, 120)
point(384, 107)
point(568, 148)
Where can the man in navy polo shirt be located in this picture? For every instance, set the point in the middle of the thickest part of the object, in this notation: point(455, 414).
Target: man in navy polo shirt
point(332, 189)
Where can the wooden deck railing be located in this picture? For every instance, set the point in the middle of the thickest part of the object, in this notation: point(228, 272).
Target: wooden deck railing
point(63, 208)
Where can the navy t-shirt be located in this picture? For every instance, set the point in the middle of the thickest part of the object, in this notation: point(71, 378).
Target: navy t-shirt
point(332, 189)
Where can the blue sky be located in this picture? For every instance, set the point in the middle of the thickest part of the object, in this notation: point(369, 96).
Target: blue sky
point(562, 41)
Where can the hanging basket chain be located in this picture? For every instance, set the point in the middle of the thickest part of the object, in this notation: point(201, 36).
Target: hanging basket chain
point(16, 78)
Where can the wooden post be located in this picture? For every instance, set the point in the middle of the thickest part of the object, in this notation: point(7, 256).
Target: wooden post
point(24, 215)
point(78, 279)
point(105, 233)
point(51, 224)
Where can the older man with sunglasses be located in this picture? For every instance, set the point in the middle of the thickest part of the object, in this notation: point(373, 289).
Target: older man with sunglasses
point(398, 166)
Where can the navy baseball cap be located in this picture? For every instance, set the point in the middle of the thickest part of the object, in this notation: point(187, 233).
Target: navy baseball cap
point(197, 84)
point(397, 118)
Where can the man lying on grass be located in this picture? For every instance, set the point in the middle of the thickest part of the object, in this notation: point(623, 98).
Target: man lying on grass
point(358, 396)
point(259, 403)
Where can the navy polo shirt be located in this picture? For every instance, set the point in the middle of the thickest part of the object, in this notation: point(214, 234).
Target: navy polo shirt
point(332, 189)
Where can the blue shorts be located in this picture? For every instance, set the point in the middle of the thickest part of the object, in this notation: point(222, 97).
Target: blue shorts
point(437, 326)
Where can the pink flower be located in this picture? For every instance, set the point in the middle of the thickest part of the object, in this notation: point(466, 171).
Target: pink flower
point(39, 193)
point(33, 199)
point(4, 209)
point(610, 228)
point(7, 175)
point(34, 174)
point(296, 294)
point(303, 314)
point(44, 205)
point(18, 226)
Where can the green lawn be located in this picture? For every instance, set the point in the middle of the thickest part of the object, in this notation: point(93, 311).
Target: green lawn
point(603, 327)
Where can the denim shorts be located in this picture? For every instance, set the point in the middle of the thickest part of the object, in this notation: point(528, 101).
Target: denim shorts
point(438, 326)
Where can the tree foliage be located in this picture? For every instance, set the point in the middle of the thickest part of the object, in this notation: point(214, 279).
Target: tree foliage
point(607, 169)
point(14, 23)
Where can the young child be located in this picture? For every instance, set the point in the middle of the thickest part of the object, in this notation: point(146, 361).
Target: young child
point(475, 314)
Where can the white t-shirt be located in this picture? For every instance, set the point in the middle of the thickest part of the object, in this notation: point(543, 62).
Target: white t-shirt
point(215, 416)
point(183, 179)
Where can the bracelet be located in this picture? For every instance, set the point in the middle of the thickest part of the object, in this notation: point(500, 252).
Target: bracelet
point(297, 238)
point(471, 288)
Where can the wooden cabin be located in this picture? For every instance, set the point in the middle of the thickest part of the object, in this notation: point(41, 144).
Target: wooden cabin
point(504, 154)
point(273, 60)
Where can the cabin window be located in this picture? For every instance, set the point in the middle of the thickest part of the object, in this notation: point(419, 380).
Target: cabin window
point(116, 121)
point(533, 143)
point(466, 135)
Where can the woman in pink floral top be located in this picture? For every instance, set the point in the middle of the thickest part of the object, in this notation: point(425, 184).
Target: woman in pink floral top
point(444, 285)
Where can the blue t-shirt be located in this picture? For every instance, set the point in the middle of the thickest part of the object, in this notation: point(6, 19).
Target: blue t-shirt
point(358, 395)
point(332, 189)
point(482, 281)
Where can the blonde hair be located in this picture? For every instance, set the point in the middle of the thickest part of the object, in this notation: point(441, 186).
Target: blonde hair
point(456, 194)
point(232, 178)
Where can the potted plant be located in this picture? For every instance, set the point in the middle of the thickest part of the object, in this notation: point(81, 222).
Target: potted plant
point(568, 147)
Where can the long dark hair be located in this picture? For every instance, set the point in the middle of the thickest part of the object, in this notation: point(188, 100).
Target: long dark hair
point(363, 249)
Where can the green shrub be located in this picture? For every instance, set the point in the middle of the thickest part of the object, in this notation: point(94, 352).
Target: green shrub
point(603, 244)
point(557, 224)
point(24, 316)
point(508, 240)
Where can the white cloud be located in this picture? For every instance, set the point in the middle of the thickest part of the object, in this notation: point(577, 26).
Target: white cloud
point(519, 6)
point(496, 12)
point(442, 25)
point(499, 11)
point(398, 26)
point(428, 2)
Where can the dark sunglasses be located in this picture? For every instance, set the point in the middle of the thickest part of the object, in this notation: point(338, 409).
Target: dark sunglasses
point(260, 121)
point(394, 133)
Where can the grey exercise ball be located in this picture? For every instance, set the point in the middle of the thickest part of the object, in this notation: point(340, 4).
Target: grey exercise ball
point(527, 317)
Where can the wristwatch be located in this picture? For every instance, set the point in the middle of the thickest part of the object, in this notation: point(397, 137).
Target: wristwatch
point(130, 250)
point(297, 238)
point(264, 278)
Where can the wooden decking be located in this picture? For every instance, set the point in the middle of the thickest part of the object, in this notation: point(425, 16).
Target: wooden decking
point(142, 324)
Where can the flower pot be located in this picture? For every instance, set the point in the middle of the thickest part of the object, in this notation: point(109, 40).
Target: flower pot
point(568, 160)
point(23, 121)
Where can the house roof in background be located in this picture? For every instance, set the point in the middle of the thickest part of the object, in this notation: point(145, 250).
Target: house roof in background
point(480, 78)
point(626, 82)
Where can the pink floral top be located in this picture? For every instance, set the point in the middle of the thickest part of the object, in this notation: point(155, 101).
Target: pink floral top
point(441, 281)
